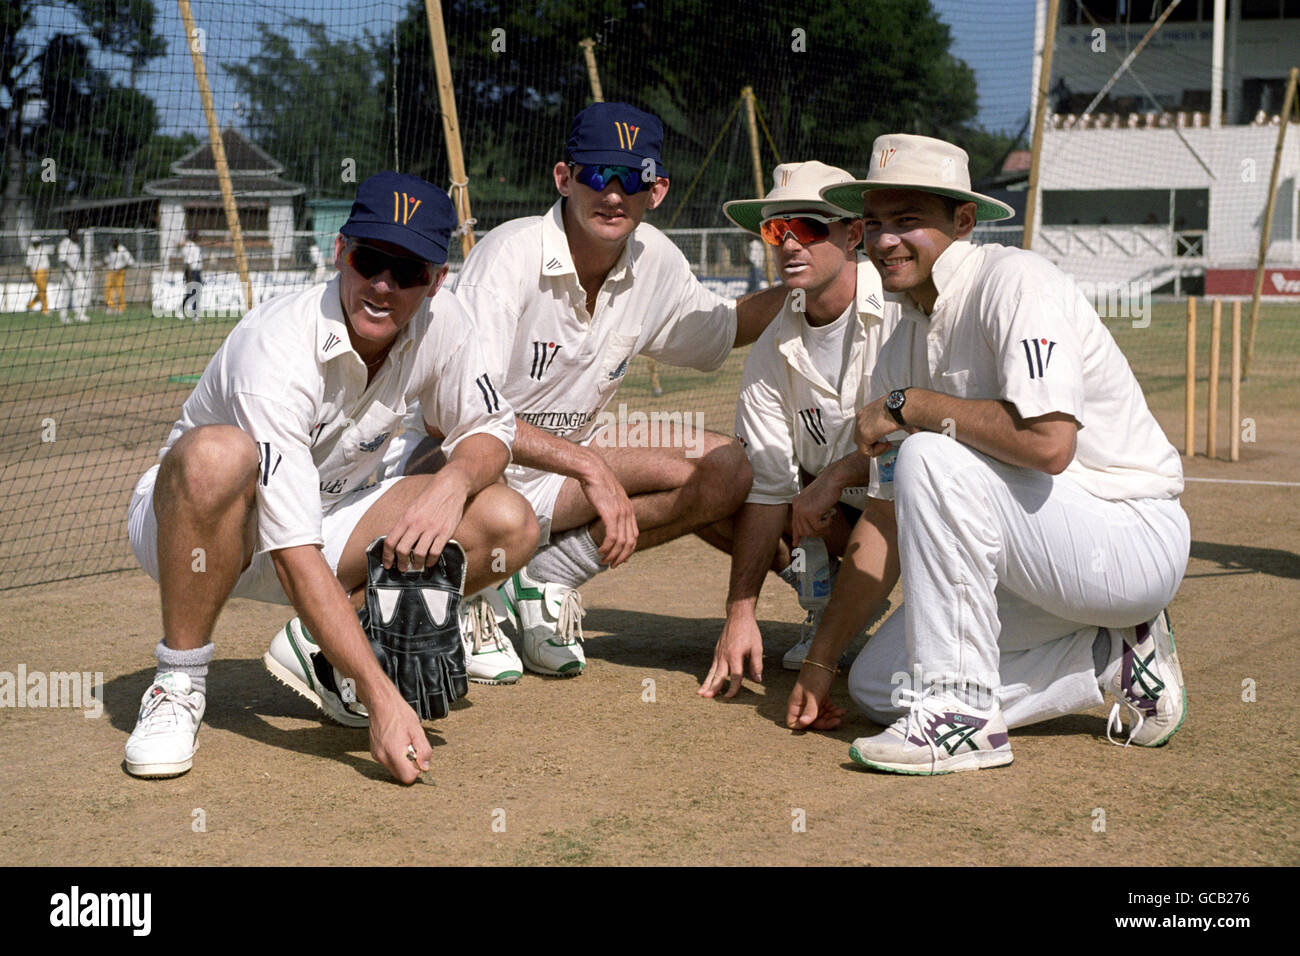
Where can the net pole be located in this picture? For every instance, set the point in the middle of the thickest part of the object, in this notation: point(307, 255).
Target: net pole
point(589, 54)
point(1040, 117)
point(1288, 106)
point(450, 124)
point(218, 152)
point(751, 121)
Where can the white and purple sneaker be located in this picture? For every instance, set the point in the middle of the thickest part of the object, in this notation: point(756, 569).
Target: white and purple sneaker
point(939, 734)
point(1148, 683)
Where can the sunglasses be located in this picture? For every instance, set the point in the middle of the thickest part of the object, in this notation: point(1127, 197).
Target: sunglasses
point(600, 177)
point(406, 272)
point(805, 228)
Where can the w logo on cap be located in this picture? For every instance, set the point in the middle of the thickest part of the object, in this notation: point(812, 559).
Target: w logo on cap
point(627, 134)
point(886, 155)
point(405, 209)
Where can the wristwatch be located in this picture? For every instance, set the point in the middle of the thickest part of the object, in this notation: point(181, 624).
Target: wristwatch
point(894, 404)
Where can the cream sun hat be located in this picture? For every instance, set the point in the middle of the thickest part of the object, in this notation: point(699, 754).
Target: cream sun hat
point(795, 187)
point(903, 161)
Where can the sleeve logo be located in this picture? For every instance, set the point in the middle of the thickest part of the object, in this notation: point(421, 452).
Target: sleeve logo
point(1035, 355)
point(489, 393)
point(265, 466)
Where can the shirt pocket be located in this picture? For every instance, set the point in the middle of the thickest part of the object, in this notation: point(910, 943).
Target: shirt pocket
point(371, 433)
point(614, 363)
point(956, 384)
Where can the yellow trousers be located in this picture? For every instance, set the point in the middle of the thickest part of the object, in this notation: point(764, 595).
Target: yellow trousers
point(41, 276)
point(115, 289)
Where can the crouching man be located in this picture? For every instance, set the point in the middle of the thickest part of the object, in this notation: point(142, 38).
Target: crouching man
point(1039, 532)
point(263, 487)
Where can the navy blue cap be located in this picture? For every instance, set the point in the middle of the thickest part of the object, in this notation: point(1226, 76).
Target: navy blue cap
point(616, 134)
point(406, 211)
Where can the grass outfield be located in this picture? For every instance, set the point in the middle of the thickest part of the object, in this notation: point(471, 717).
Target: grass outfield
point(38, 348)
point(137, 354)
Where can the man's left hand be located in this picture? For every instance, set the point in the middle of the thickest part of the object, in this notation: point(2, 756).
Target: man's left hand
point(813, 509)
point(873, 424)
point(418, 537)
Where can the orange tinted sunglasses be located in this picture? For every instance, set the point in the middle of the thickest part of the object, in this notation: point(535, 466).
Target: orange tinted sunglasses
point(807, 227)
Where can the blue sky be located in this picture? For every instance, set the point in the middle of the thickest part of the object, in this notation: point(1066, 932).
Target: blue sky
point(995, 38)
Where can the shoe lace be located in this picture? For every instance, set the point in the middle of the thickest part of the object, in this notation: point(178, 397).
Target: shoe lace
point(1115, 724)
point(917, 709)
point(483, 628)
point(153, 712)
point(568, 626)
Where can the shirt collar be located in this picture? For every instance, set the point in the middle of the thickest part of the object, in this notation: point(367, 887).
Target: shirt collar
point(948, 268)
point(558, 261)
point(332, 339)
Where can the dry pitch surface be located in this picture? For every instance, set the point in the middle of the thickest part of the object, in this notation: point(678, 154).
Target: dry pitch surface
point(590, 771)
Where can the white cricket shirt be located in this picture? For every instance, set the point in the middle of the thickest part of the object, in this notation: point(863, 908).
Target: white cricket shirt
point(558, 366)
point(38, 259)
point(69, 254)
point(1010, 326)
point(288, 376)
point(791, 413)
point(191, 255)
point(119, 258)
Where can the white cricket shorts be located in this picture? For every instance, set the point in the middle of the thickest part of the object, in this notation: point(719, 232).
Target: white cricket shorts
point(258, 582)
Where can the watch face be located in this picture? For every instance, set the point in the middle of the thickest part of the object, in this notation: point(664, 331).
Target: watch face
point(895, 400)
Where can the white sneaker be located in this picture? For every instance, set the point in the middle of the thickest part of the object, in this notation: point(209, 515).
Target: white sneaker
point(1148, 683)
point(167, 729)
point(490, 658)
point(295, 660)
point(794, 657)
point(548, 618)
point(939, 734)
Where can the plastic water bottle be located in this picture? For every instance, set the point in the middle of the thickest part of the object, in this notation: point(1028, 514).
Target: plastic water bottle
point(815, 577)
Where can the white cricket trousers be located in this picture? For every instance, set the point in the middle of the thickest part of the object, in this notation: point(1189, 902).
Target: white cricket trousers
point(1007, 574)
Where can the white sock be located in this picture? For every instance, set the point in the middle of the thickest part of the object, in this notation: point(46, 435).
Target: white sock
point(570, 559)
point(193, 663)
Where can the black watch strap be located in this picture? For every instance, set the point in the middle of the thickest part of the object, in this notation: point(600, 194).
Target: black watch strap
point(896, 412)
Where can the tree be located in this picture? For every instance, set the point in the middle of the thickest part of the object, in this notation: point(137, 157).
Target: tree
point(829, 76)
point(88, 125)
point(316, 104)
point(125, 27)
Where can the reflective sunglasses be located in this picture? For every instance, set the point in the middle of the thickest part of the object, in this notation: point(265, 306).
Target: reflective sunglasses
point(407, 272)
point(806, 227)
point(600, 177)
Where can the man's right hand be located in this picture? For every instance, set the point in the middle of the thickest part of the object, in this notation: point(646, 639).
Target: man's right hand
point(612, 504)
point(394, 730)
point(739, 644)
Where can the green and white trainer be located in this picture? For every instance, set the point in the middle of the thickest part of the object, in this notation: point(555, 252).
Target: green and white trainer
point(548, 620)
